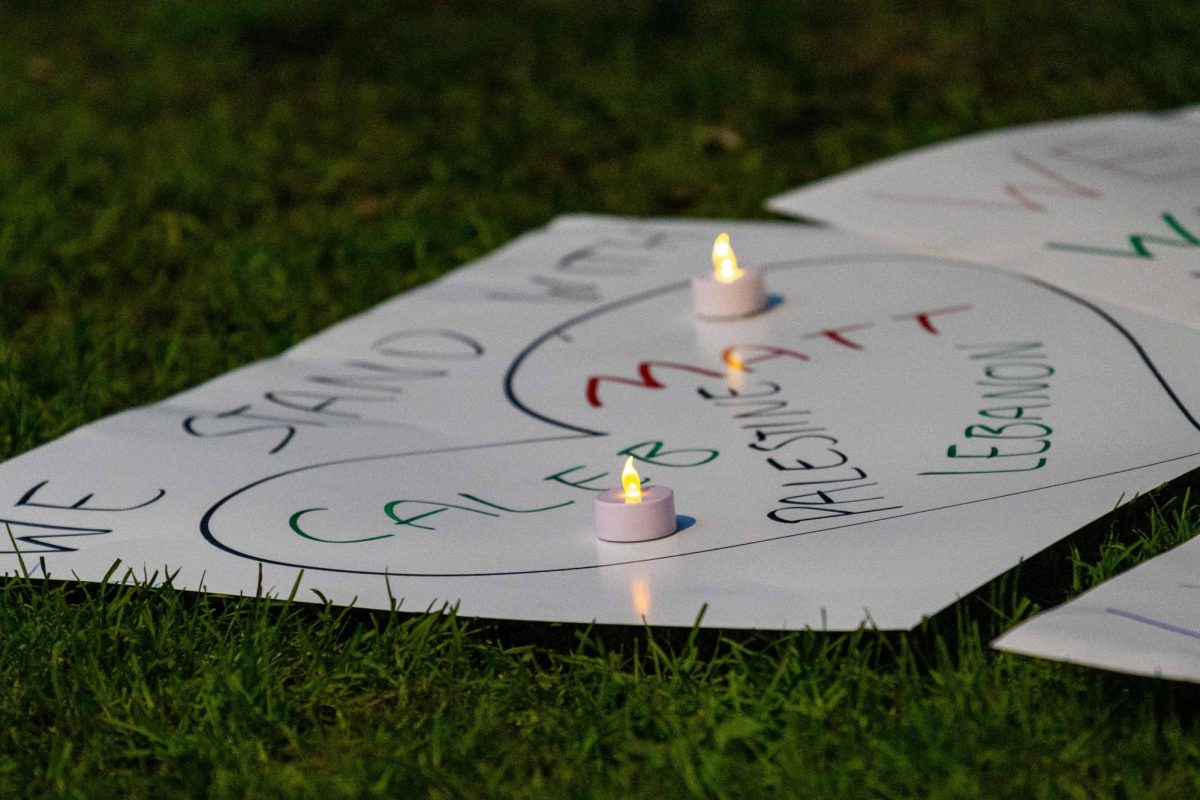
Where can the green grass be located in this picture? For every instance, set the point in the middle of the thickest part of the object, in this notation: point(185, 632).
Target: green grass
point(187, 187)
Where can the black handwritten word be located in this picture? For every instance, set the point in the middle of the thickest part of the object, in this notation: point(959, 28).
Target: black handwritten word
point(832, 487)
point(550, 289)
point(1016, 376)
point(31, 536)
point(606, 257)
point(799, 449)
point(626, 254)
point(333, 398)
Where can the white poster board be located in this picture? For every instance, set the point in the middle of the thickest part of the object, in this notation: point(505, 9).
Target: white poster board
point(1102, 206)
point(1188, 116)
point(1145, 621)
point(902, 430)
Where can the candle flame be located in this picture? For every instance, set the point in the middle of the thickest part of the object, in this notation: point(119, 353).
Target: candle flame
point(632, 482)
point(725, 266)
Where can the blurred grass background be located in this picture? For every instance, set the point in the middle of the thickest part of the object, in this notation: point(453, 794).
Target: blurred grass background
point(185, 187)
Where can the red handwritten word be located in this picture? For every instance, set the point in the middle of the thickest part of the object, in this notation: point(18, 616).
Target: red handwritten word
point(647, 379)
point(923, 317)
point(743, 356)
point(835, 335)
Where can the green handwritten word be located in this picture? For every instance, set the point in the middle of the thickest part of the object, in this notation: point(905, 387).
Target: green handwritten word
point(1137, 242)
point(582, 483)
point(1016, 378)
point(294, 524)
point(390, 509)
point(650, 452)
point(438, 507)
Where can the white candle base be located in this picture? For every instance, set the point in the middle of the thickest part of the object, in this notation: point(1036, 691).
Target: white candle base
point(713, 299)
point(652, 518)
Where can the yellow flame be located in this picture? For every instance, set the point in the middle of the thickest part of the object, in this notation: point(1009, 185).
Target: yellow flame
point(725, 266)
point(632, 482)
point(640, 591)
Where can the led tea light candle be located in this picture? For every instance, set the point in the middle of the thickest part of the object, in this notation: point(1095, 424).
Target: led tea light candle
point(730, 291)
point(634, 514)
